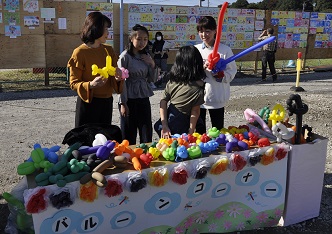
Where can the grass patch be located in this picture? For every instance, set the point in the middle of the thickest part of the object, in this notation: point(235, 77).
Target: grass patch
point(282, 64)
point(16, 80)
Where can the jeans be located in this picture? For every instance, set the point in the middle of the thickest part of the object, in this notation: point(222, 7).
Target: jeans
point(177, 121)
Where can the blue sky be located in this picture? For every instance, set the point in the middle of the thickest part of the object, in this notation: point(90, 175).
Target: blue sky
point(212, 3)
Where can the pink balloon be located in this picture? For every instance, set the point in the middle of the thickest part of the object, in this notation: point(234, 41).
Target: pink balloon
point(251, 116)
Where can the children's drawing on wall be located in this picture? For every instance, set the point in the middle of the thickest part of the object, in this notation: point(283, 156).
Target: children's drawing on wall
point(31, 21)
point(11, 18)
point(110, 42)
point(259, 25)
point(11, 5)
point(231, 36)
point(30, 5)
point(260, 14)
point(92, 6)
point(133, 8)
point(109, 14)
point(110, 35)
point(0, 16)
point(12, 31)
point(106, 6)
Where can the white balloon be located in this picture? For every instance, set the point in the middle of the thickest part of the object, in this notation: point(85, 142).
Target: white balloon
point(282, 132)
point(100, 139)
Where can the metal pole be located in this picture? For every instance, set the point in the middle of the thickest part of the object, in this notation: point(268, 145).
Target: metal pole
point(199, 3)
point(121, 25)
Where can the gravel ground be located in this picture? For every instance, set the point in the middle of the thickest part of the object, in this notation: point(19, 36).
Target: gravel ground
point(46, 116)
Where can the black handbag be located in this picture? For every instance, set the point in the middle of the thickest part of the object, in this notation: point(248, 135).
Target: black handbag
point(87, 132)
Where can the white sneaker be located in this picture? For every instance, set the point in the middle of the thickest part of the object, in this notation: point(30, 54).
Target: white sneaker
point(152, 85)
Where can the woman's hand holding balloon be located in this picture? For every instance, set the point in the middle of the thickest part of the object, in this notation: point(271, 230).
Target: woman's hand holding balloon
point(97, 82)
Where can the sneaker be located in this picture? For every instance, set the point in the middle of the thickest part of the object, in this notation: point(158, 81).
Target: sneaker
point(263, 80)
point(152, 85)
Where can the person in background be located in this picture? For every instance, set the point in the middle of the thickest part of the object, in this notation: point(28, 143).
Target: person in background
point(159, 80)
point(217, 86)
point(268, 56)
point(95, 101)
point(148, 47)
point(160, 55)
point(135, 108)
point(184, 92)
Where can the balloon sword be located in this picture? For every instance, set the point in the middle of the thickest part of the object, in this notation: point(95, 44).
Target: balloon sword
point(221, 64)
point(214, 57)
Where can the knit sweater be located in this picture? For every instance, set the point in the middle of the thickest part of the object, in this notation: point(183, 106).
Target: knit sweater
point(80, 63)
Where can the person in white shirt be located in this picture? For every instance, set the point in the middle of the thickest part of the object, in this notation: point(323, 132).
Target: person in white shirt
point(217, 87)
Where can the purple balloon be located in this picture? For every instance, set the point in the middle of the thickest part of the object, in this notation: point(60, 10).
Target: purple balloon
point(89, 150)
point(230, 146)
point(242, 145)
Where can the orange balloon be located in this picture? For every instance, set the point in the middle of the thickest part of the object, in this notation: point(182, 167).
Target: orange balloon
point(125, 142)
point(138, 151)
point(136, 163)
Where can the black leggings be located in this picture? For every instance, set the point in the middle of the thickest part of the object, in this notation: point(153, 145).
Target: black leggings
point(217, 119)
point(139, 118)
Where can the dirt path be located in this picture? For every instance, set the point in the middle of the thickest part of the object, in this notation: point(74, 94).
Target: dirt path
point(44, 117)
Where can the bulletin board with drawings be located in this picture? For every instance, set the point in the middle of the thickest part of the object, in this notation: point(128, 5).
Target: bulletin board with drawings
point(306, 32)
point(178, 23)
point(21, 34)
point(292, 28)
point(320, 26)
point(68, 38)
point(309, 33)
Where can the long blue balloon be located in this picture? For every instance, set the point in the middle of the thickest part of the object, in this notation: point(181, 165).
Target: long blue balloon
point(246, 51)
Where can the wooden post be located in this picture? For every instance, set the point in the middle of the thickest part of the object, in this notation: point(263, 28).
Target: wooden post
point(256, 63)
point(306, 48)
point(47, 76)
